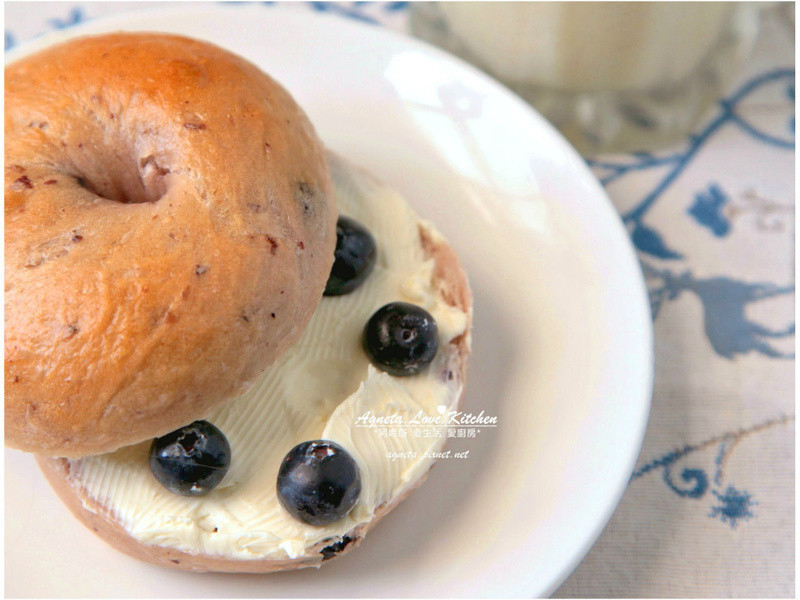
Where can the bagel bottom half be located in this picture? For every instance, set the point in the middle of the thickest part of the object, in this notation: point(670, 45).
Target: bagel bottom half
point(324, 387)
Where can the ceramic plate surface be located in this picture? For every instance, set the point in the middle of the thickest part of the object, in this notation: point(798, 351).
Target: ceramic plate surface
point(562, 335)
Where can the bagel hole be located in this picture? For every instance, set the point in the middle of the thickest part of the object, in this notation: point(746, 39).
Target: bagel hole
point(118, 182)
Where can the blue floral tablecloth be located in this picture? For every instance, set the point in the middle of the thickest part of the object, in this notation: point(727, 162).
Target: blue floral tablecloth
point(709, 511)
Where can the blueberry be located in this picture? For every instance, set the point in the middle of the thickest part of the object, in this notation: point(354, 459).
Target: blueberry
point(192, 460)
point(353, 259)
point(401, 338)
point(318, 482)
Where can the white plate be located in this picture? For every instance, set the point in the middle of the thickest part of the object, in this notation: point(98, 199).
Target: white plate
point(562, 338)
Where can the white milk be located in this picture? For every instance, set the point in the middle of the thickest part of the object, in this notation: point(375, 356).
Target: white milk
point(588, 46)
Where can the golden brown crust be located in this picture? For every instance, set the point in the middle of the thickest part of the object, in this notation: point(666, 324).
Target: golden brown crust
point(169, 229)
point(454, 289)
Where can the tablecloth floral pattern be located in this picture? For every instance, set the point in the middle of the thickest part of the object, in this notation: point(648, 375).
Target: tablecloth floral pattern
point(709, 511)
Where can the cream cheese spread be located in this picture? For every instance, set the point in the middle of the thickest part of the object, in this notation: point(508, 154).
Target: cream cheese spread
point(322, 388)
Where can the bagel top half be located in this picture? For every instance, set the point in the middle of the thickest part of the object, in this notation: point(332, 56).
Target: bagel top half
point(169, 229)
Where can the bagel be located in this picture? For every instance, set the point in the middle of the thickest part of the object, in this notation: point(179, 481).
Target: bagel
point(169, 230)
point(319, 388)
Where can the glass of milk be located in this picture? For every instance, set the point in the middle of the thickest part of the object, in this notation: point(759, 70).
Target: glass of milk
point(612, 76)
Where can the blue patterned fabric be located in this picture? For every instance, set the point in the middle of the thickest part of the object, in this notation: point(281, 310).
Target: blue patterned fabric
point(710, 507)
